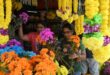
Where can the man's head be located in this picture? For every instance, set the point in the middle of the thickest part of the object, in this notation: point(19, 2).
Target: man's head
point(67, 30)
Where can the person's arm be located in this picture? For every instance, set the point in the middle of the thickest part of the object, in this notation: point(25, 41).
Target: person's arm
point(83, 55)
point(21, 35)
point(80, 55)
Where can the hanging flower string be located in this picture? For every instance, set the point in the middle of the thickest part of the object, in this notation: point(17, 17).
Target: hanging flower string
point(3, 31)
point(106, 40)
point(4, 21)
point(91, 29)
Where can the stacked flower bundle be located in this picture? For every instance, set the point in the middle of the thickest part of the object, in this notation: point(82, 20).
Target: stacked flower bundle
point(42, 64)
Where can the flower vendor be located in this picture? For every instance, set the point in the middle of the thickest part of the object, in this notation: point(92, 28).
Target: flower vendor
point(31, 37)
point(71, 50)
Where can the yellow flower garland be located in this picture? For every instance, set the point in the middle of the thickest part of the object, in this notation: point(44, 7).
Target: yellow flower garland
point(4, 21)
point(1, 14)
point(79, 29)
point(3, 39)
point(91, 8)
point(65, 10)
point(75, 5)
point(109, 18)
point(93, 43)
point(104, 10)
point(102, 54)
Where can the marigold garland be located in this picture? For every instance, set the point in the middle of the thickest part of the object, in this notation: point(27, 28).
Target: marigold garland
point(91, 8)
point(5, 19)
point(79, 29)
point(102, 54)
point(93, 43)
point(75, 5)
point(109, 18)
point(4, 39)
point(104, 11)
point(65, 10)
point(4, 22)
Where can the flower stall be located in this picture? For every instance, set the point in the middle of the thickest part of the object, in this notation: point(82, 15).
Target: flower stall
point(91, 19)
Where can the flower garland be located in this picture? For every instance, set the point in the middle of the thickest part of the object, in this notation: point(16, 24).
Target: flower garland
point(17, 5)
point(102, 54)
point(104, 11)
point(91, 8)
point(8, 14)
point(96, 39)
point(79, 25)
point(65, 10)
point(5, 20)
point(75, 5)
point(109, 16)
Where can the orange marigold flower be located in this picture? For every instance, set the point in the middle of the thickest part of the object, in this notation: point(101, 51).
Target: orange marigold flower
point(44, 51)
point(76, 40)
point(52, 54)
point(2, 73)
point(12, 65)
point(28, 72)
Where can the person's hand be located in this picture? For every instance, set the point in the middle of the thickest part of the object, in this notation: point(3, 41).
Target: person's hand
point(73, 56)
point(65, 50)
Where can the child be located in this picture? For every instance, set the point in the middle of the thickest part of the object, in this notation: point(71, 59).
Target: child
point(31, 37)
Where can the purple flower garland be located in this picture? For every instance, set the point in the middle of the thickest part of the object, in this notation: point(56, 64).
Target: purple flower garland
point(11, 43)
point(106, 40)
point(3, 31)
point(91, 29)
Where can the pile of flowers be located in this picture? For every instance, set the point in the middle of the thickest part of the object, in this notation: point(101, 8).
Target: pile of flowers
point(14, 45)
point(42, 64)
point(106, 68)
point(14, 64)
